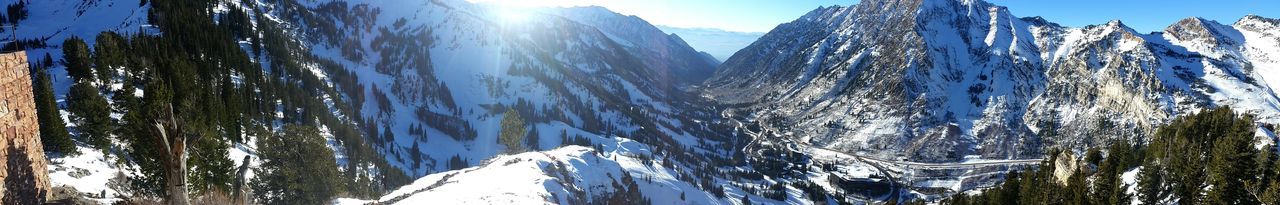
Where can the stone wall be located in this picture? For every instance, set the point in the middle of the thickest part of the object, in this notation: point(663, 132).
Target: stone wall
point(19, 129)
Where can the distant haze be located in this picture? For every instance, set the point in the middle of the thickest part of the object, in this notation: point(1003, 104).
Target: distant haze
point(720, 44)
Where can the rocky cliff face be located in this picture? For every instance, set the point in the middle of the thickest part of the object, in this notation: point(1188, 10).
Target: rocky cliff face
point(937, 80)
point(24, 172)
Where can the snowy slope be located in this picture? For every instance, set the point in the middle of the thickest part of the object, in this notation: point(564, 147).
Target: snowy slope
point(577, 175)
point(560, 73)
point(54, 21)
point(579, 77)
point(564, 175)
point(447, 70)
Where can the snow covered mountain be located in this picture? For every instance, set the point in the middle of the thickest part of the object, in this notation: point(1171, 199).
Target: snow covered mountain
point(440, 73)
point(428, 81)
point(620, 110)
point(939, 80)
point(668, 53)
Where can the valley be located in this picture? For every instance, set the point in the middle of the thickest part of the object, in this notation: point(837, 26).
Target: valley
point(460, 102)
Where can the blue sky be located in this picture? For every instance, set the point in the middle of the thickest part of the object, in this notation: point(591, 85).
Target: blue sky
point(1142, 15)
point(730, 15)
point(763, 15)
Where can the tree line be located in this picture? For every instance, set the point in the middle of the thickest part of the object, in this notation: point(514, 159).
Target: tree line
point(1204, 158)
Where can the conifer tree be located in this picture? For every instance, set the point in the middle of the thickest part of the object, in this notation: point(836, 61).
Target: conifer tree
point(92, 114)
point(47, 61)
point(1009, 191)
point(513, 131)
point(297, 168)
point(1077, 188)
point(532, 139)
point(108, 54)
point(1150, 183)
point(136, 130)
point(1271, 195)
point(77, 60)
point(1266, 160)
point(53, 131)
point(1232, 163)
point(416, 155)
point(210, 166)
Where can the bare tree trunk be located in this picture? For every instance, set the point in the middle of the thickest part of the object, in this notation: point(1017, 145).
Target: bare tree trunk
point(173, 143)
point(238, 188)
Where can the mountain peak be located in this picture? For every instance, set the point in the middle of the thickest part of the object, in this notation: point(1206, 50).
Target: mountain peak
point(1112, 26)
point(1116, 23)
point(1039, 21)
point(821, 11)
point(1258, 20)
point(1257, 17)
point(1196, 29)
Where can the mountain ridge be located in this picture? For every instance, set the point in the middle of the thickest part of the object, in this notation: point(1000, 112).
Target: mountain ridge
point(920, 59)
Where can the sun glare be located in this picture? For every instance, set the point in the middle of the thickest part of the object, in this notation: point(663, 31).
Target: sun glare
point(520, 11)
point(515, 14)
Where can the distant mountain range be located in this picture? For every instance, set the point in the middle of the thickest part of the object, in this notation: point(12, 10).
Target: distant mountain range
point(940, 80)
point(719, 43)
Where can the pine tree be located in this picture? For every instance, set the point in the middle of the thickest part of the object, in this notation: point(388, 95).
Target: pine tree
point(1271, 195)
point(92, 114)
point(1107, 188)
point(76, 54)
point(108, 54)
point(124, 99)
point(53, 131)
point(456, 162)
point(513, 131)
point(1009, 191)
point(532, 139)
point(297, 168)
point(1231, 163)
point(210, 166)
point(1188, 179)
point(415, 154)
point(47, 61)
point(1150, 184)
point(1266, 168)
point(136, 126)
point(1077, 188)
point(1033, 183)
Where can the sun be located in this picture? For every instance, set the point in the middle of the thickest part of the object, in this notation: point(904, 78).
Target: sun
point(535, 3)
point(521, 11)
point(514, 14)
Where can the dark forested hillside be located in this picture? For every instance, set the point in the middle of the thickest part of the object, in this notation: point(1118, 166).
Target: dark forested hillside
point(1204, 158)
point(225, 77)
